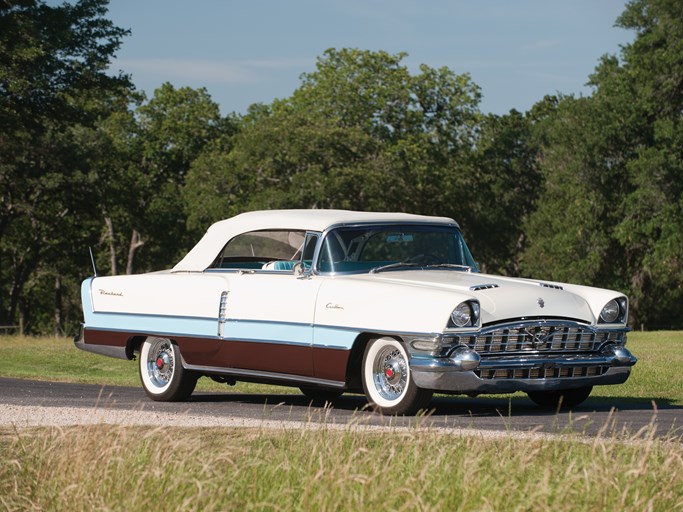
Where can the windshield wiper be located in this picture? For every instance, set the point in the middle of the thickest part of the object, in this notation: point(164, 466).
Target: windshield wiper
point(466, 268)
point(392, 266)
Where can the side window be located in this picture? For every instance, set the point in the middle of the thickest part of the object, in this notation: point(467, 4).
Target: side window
point(310, 244)
point(255, 249)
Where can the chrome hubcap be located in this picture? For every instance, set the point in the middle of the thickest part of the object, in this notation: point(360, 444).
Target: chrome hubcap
point(160, 363)
point(390, 373)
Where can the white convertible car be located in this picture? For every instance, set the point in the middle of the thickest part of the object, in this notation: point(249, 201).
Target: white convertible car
point(387, 304)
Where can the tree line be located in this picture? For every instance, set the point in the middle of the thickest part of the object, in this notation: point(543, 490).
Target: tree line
point(578, 189)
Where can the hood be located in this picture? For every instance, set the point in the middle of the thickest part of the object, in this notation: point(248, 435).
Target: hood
point(505, 298)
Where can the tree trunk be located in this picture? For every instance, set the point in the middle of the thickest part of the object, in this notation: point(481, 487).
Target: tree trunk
point(135, 243)
point(4, 317)
point(59, 331)
point(112, 247)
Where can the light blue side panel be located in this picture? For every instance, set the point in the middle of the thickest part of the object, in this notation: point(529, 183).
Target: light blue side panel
point(204, 327)
point(271, 332)
point(295, 334)
point(335, 337)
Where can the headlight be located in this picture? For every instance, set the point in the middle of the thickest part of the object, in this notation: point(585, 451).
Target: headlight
point(611, 312)
point(465, 314)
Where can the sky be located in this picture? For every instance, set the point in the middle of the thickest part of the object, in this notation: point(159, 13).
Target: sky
point(254, 51)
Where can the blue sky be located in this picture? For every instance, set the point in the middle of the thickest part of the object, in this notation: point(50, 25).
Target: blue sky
point(254, 51)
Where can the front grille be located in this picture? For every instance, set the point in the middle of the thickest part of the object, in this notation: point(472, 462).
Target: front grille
point(560, 337)
point(541, 372)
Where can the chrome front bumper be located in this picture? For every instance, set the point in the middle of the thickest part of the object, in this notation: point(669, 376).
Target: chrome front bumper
point(466, 374)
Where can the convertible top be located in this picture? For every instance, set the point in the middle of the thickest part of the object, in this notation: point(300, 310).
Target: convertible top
point(218, 234)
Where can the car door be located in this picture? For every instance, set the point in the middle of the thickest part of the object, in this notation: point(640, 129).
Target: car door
point(269, 318)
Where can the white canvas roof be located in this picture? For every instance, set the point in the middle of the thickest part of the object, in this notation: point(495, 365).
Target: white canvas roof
point(218, 234)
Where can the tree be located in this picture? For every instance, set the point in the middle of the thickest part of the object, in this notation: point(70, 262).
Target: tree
point(611, 211)
point(140, 168)
point(650, 87)
point(506, 182)
point(360, 132)
point(53, 84)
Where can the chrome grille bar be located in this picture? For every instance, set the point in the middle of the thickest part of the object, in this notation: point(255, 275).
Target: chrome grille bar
point(541, 372)
point(540, 336)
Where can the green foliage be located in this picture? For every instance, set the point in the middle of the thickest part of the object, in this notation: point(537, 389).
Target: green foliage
point(506, 183)
point(360, 133)
point(53, 87)
point(611, 211)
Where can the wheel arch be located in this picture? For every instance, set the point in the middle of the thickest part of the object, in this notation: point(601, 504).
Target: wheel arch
point(134, 344)
point(355, 363)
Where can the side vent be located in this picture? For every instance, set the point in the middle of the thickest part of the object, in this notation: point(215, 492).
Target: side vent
point(553, 286)
point(222, 312)
point(478, 287)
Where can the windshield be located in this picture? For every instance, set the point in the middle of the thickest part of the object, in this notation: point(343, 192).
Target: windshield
point(371, 248)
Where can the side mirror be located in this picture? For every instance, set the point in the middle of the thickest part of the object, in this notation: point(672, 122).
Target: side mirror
point(298, 269)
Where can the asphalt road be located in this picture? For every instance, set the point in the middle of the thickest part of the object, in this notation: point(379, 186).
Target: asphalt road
point(620, 417)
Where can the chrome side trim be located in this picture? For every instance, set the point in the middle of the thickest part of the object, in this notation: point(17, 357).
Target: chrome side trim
point(156, 315)
point(146, 332)
point(238, 373)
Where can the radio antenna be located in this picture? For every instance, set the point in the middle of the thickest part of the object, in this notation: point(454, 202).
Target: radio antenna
point(92, 260)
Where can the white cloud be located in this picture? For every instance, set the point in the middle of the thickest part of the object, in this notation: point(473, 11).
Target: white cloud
point(302, 64)
point(206, 71)
point(186, 69)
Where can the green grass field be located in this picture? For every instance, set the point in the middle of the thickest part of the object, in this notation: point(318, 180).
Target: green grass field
point(140, 469)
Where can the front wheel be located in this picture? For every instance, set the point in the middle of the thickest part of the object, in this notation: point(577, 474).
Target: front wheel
point(564, 399)
point(163, 377)
point(387, 381)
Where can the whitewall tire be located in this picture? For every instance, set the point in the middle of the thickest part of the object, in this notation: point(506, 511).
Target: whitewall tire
point(161, 371)
point(387, 381)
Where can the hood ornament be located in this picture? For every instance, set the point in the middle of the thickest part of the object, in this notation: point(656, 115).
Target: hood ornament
point(539, 337)
point(541, 302)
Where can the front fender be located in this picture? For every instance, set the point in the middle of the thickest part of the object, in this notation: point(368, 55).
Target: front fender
point(384, 307)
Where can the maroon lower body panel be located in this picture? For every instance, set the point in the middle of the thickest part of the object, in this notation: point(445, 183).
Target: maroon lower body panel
point(298, 360)
point(111, 338)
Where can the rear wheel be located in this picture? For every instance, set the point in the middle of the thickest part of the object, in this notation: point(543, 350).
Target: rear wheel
point(162, 375)
point(387, 381)
point(564, 399)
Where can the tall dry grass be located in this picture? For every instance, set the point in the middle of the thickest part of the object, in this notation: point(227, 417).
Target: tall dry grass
point(128, 468)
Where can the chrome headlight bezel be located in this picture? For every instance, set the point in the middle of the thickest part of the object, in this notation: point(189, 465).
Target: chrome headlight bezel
point(465, 314)
point(614, 312)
